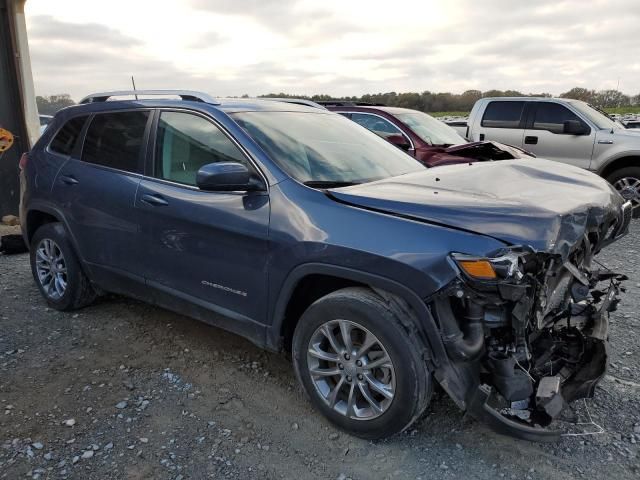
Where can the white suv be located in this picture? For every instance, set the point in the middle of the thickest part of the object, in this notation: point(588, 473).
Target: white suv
point(568, 131)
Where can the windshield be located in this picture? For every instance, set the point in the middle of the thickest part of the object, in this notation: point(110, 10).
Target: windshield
point(431, 130)
point(325, 149)
point(600, 119)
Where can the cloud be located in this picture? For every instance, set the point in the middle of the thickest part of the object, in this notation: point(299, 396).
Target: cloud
point(232, 47)
point(46, 28)
point(300, 22)
point(208, 40)
point(78, 59)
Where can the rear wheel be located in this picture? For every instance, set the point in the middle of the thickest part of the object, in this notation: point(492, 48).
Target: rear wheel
point(358, 364)
point(627, 182)
point(57, 271)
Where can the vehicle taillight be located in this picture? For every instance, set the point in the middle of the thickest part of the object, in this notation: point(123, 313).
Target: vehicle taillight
point(23, 161)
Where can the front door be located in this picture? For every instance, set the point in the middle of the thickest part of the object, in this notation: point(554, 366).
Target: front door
point(545, 136)
point(209, 248)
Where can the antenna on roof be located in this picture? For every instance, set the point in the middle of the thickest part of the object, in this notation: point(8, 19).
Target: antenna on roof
point(133, 82)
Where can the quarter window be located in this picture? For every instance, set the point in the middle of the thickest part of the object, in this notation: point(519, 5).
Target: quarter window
point(115, 140)
point(551, 116)
point(66, 139)
point(503, 115)
point(186, 142)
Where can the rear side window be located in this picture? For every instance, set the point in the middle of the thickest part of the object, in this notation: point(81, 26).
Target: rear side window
point(186, 142)
point(551, 116)
point(115, 140)
point(67, 137)
point(503, 115)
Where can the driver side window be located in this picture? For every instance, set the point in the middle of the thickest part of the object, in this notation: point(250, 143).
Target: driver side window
point(377, 125)
point(185, 142)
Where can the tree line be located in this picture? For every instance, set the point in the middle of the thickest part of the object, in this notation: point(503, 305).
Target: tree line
point(426, 101)
point(49, 105)
point(463, 102)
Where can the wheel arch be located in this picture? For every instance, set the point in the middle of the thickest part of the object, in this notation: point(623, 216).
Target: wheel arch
point(623, 161)
point(40, 213)
point(286, 311)
point(37, 217)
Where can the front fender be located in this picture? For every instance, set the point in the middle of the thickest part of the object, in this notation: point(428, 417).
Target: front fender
point(426, 326)
point(604, 165)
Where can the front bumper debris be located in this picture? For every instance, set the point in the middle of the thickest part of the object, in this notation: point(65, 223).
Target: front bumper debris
point(554, 392)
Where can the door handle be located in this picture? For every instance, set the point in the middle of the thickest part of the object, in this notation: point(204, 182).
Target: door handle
point(69, 179)
point(531, 140)
point(482, 137)
point(154, 200)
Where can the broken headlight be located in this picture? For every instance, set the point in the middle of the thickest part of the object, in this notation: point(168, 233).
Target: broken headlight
point(508, 264)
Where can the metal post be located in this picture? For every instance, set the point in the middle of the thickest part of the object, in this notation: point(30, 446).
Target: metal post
point(18, 110)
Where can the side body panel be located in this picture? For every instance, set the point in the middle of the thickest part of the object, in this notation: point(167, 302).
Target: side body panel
point(210, 246)
point(328, 232)
point(610, 147)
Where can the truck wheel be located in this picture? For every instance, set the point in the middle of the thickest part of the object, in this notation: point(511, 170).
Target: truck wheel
point(57, 271)
point(359, 365)
point(627, 182)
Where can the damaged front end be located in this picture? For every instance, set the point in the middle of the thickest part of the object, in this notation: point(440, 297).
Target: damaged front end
point(527, 331)
point(484, 151)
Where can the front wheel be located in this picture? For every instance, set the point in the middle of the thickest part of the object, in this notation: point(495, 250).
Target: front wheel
point(359, 366)
point(627, 182)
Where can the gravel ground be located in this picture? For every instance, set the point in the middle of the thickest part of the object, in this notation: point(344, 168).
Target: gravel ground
point(125, 390)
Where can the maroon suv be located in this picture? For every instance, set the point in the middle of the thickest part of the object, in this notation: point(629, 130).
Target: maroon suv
point(428, 140)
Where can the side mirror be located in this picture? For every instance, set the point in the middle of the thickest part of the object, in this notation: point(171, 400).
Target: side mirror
point(399, 141)
point(225, 177)
point(575, 127)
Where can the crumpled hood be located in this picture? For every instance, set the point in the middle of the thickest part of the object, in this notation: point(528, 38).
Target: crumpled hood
point(434, 156)
point(546, 205)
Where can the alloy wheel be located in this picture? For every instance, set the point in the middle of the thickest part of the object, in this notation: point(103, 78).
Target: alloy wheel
point(51, 269)
point(351, 370)
point(629, 188)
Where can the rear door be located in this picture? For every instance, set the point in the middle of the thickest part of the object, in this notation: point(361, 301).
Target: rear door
point(208, 248)
point(96, 190)
point(545, 138)
point(503, 121)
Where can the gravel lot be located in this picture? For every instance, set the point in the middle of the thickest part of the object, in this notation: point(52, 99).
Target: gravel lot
point(125, 390)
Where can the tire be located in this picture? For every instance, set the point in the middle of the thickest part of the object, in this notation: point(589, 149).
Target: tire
point(408, 378)
point(627, 182)
point(77, 291)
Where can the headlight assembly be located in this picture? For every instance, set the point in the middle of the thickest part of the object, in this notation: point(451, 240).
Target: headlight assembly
point(505, 266)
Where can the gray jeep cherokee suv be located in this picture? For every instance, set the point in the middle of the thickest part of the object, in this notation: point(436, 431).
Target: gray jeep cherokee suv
point(302, 231)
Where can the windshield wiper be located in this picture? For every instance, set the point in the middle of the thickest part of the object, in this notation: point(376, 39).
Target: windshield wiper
point(328, 184)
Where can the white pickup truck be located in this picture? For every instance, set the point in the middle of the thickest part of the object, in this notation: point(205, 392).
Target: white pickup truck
point(568, 131)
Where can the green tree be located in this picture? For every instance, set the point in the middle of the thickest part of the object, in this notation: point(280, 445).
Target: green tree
point(579, 93)
point(428, 101)
point(611, 98)
point(51, 104)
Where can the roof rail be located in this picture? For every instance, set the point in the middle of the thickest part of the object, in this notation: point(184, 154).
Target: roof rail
point(184, 94)
point(336, 103)
point(346, 103)
point(298, 101)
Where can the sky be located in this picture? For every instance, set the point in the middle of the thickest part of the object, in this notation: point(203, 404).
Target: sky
point(337, 47)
